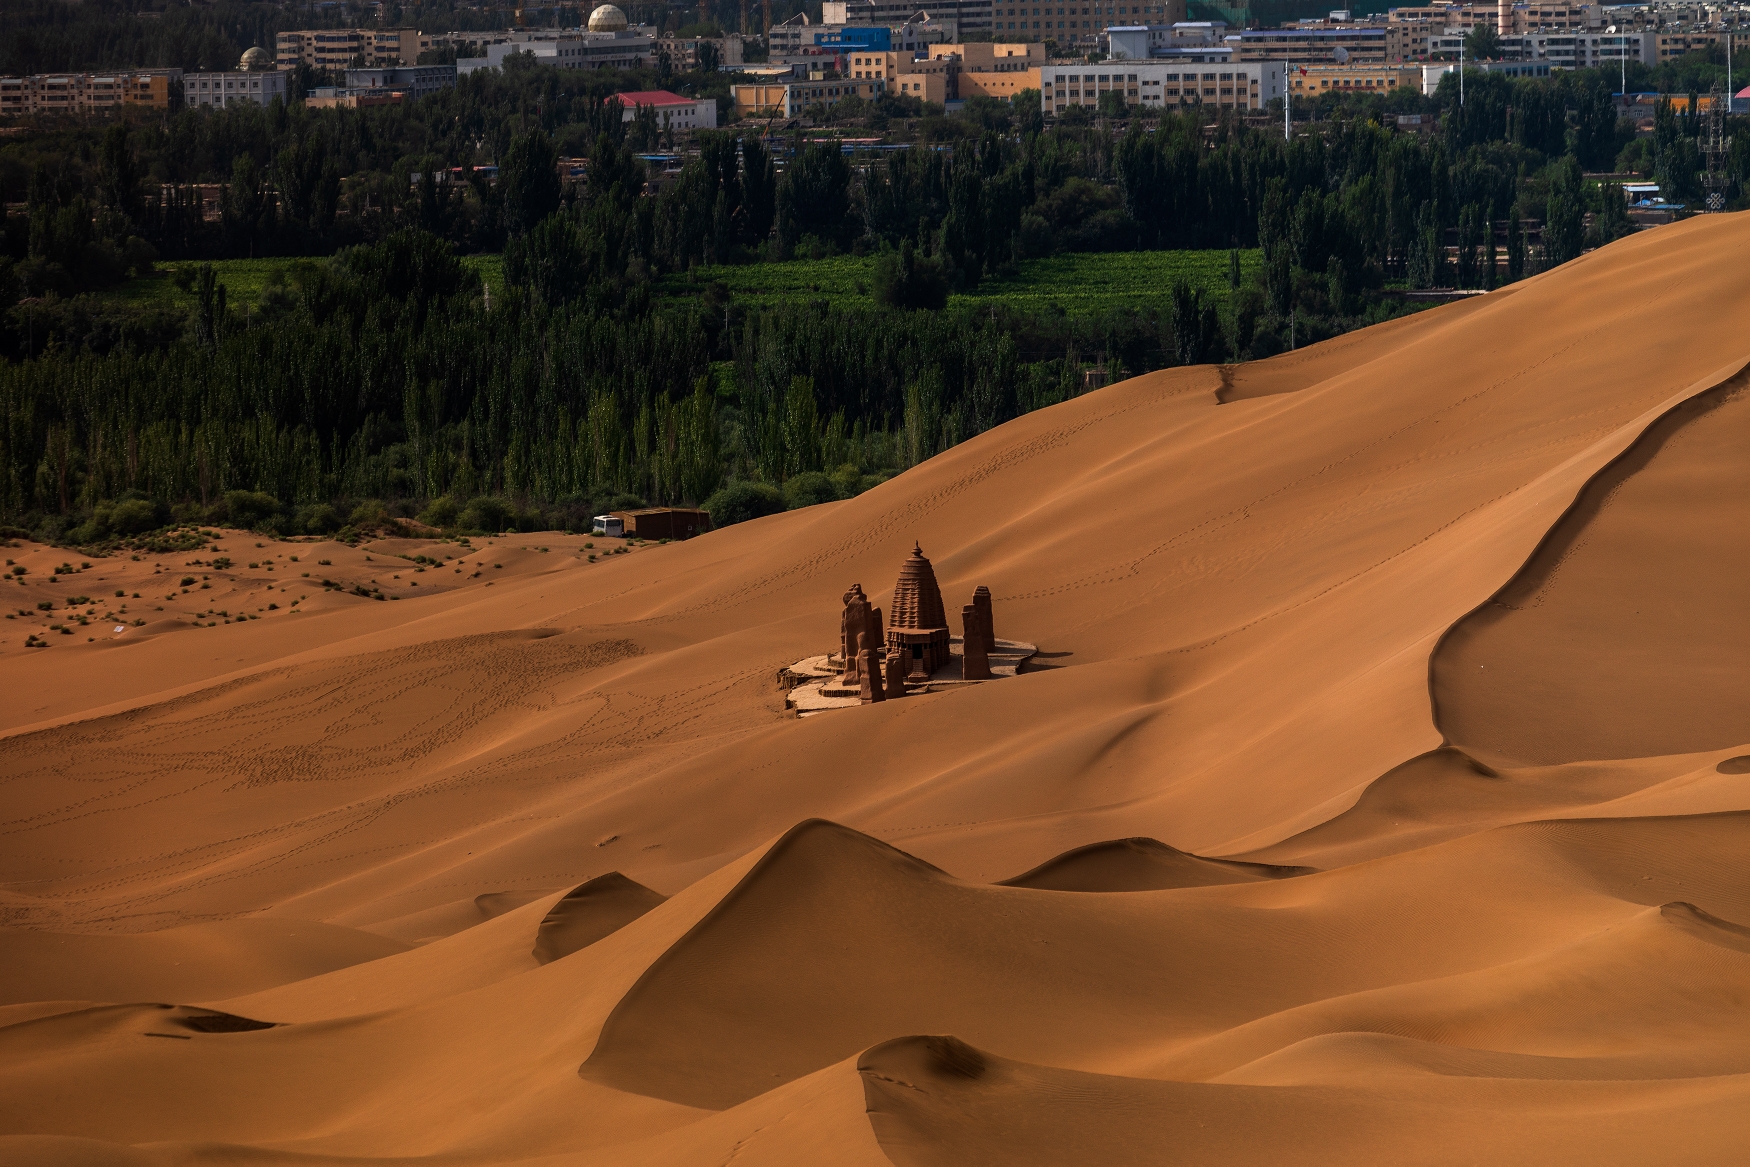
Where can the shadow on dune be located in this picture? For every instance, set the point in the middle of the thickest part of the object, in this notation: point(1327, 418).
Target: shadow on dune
point(1624, 634)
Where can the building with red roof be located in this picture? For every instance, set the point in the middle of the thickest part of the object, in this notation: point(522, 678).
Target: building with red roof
point(673, 112)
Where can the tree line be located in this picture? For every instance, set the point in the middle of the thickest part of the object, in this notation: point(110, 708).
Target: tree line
point(388, 380)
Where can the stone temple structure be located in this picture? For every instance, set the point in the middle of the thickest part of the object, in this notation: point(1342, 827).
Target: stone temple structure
point(918, 630)
point(912, 652)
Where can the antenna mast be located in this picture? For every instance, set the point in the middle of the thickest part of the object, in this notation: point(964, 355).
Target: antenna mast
point(1714, 144)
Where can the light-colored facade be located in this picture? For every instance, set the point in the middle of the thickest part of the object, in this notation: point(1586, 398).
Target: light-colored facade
point(1431, 74)
point(87, 93)
point(673, 112)
point(415, 81)
point(1565, 50)
point(339, 48)
point(200, 90)
point(630, 49)
point(1223, 85)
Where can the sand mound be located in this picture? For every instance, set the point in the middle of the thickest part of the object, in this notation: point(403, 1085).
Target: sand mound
point(193, 963)
point(1443, 619)
point(590, 911)
point(1141, 865)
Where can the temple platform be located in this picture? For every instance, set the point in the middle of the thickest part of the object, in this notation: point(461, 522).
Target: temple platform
point(813, 686)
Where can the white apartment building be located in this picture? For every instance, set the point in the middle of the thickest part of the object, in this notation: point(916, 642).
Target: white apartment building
point(210, 89)
point(630, 49)
point(1222, 84)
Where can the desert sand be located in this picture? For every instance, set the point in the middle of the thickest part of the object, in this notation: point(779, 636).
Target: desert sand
point(1380, 794)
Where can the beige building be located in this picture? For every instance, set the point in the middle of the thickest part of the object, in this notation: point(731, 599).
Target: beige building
point(1313, 80)
point(337, 48)
point(999, 85)
point(86, 93)
point(791, 99)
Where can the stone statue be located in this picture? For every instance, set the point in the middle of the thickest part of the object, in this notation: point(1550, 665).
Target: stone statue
point(853, 624)
point(975, 660)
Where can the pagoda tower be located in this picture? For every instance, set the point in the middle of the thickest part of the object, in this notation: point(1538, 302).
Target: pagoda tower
point(917, 625)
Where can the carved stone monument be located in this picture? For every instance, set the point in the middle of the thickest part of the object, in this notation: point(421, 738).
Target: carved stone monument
point(919, 630)
point(895, 675)
point(974, 659)
point(981, 601)
point(857, 620)
point(872, 683)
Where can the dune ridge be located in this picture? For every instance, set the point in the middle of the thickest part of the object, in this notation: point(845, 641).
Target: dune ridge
point(1383, 800)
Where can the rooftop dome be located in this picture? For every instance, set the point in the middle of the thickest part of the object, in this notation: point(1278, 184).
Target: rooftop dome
point(607, 18)
point(917, 601)
point(255, 60)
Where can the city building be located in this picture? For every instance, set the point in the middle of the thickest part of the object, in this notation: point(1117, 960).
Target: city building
point(1431, 74)
point(789, 100)
point(1226, 85)
point(618, 49)
point(1565, 50)
point(673, 112)
point(1085, 23)
point(86, 93)
point(798, 38)
point(337, 48)
point(1360, 45)
point(1315, 80)
point(1678, 44)
point(416, 81)
point(683, 51)
point(260, 87)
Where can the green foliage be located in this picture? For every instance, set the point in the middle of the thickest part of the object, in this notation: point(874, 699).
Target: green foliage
point(903, 279)
point(740, 501)
point(809, 489)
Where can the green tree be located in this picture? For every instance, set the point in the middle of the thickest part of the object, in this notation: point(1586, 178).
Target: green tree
point(529, 179)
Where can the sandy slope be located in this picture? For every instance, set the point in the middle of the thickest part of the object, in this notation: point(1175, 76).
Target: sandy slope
point(1402, 679)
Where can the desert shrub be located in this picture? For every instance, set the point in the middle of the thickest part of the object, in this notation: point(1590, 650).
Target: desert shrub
point(809, 489)
point(317, 519)
point(441, 513)
point(487, 514)
point(250, 508)
point(136, 516)
point(741, 501)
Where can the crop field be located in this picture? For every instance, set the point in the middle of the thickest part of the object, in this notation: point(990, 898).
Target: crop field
point(246, 279)
point(1075, 285)
point(1078, 284)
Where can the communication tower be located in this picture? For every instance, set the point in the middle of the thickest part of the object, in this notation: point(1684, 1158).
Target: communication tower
point(1714, 145)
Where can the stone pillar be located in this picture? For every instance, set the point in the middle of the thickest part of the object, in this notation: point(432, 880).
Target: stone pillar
point(975, 661)
point(895, 675)
point(871, 686)
point(853, 623)
point(981, 601)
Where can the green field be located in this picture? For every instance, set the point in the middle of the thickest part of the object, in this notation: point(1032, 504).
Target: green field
point(1078, 284)
point(246, 279)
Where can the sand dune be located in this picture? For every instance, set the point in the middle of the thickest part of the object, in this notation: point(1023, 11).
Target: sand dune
point(1141, 865)
point(1379, 796)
